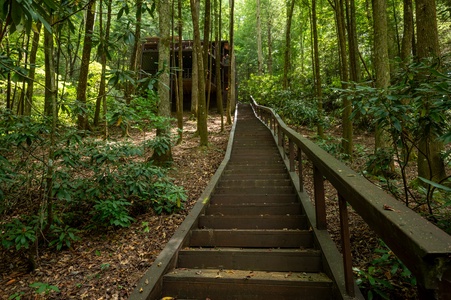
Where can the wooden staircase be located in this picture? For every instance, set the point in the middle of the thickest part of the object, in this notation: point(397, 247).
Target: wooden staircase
point(253, 240)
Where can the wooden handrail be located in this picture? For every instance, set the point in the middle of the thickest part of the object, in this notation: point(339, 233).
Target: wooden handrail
point(421, 246)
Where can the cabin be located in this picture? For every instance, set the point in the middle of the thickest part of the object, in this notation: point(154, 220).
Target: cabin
point(149, 64)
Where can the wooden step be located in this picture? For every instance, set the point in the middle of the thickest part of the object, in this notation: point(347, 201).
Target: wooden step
point(242, 209)
point(251, 238)
point(235, 198)
point(262, 176)
point(259, 183)
point(236, 169)
point(253, 222)
point(244, 285)
point(245, 159)
point(277, 190)
point(276, 260)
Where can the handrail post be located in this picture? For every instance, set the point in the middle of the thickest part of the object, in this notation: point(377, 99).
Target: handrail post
point(283, 145)
point(279, 135)
point(301, 175)
point(346, 246)
point(291, 150)
point(320, 201)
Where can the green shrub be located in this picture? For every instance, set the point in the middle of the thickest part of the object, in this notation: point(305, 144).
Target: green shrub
point(376, 280)
point(112, 212)
point(18, 234)
point(63, 236)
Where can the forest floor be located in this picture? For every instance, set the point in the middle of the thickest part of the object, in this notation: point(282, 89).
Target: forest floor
point(107, 265)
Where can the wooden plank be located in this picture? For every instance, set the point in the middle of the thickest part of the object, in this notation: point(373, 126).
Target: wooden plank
point(253, 222)
point(258, 176)
point(259, 183)
point(251, 238)
point(235, 169)
point(274, 260)
point(255, 198)
point(255, 190)
point(242, 209)
point(245, 285)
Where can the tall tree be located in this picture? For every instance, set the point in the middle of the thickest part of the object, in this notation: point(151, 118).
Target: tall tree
point(103, 50)
point(84, 68)
point(346, 143)
point(287, 48)
point(194, 83)
point(231, 88)
point(259, 39)
point(206, 40)
point(430, 162)
point(180, 71)
point(133, 67)
point(51, 91)
point(354, 74)
point(269, 60)
point(407, 37)
point(381, 66)
point(202, 113)
point(218, 55)
point(164, 103)
point(352, 41)
point(30, 86)
point(316, 66)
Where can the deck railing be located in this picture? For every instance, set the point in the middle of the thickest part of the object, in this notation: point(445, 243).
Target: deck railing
point(420, 245)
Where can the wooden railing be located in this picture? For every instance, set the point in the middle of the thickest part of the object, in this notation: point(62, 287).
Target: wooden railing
point(421, 246)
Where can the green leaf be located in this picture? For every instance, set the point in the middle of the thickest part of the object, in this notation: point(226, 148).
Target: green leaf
point(435, 184)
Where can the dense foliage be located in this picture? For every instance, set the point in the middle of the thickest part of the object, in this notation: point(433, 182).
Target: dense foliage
point(96, 184)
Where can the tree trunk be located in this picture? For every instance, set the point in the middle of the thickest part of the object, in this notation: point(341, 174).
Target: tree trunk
point(259, 40)
point(316, 66)
point(218, 61)
point(347, 133)
point(430, 162)
point(229, 85)
point(406, 44)
point(73, 60)
point(195, 84)
point(287, 49)
point(180, 72)
point(164, 105)
point(232, 81)
point(354, 73)
point(352, 42)
point(104, 40)
point(30, 86)
point(51, 97)
point(382, 70)
point(269, 37)
point(202, 113)
point(84, 68)
point(133, 66)
point(206, 41)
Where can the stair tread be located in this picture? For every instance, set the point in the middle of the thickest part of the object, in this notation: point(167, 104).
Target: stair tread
point(250, 251)
point(220, 274)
